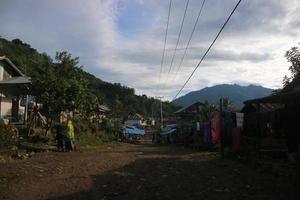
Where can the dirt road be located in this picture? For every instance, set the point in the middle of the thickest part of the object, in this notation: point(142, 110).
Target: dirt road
point(126, 171)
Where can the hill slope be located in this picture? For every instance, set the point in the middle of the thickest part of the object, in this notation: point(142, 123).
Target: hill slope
point(236, 93)
point(120, 99)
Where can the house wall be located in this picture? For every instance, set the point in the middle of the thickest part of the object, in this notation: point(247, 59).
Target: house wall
point(7, 71)
point(6, 107)
point(133, 122)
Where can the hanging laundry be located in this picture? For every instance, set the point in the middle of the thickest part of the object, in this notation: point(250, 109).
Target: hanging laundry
point(207, 133)
point(226, 117)
point(198, 126)
point(216, 128)
point(239, 120)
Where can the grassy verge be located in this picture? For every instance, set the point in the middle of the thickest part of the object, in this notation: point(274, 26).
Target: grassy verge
point(93, 141)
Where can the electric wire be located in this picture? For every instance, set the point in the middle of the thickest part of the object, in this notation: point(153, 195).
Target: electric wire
point(165, 42)
point(190, 38)
point(204, 55)
point(178, 39)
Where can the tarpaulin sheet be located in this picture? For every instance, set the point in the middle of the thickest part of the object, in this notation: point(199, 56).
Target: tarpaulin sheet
point(133, 131)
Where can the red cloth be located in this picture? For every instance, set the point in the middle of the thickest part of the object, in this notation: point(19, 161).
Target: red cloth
point(216, 128)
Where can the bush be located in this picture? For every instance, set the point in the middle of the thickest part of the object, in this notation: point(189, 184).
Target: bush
point(112, 127)
point(37, 135)
point(59, 128)
point(8, 139)
point(89, 140)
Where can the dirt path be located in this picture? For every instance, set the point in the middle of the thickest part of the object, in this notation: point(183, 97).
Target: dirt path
point(141, 172)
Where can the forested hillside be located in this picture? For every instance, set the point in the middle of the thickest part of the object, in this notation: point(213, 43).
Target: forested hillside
point(70, 84)
point(236, 93)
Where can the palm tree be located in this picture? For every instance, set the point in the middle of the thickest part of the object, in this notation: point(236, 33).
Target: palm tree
point(227, 104)
point(206, 111)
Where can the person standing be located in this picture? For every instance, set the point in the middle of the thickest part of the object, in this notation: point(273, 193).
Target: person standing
point(71, 136)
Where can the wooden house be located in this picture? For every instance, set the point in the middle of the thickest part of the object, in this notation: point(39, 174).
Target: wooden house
point(188, 124)
point(14, 87)
point(189, 113)
point(136, 120)
point(275, 120)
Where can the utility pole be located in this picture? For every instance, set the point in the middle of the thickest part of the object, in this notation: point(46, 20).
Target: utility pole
point(161, 115)
point(221, 132)
point(161, 111)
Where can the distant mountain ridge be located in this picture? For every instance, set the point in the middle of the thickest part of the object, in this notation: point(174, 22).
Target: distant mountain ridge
point(236, 93)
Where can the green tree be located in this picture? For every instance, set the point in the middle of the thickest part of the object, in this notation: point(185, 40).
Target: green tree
point(227, 104)
point(206, 111)
point(51, 76)
point(62, 86)
point(293, 57)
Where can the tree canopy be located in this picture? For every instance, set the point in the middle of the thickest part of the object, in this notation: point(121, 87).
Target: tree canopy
point(61, 84)
point(293, 57)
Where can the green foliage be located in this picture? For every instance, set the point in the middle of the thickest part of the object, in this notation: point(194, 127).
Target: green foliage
point(63, 85)
point(206, 112)
point(8, 139)
point(293, 56)
point(89, 140)
point(238, 94)
point(59, 128)
point(90, 135)
point(82, 125)
point(227, 104)
point(112, 126)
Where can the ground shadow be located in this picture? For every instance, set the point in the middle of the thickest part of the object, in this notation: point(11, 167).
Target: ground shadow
point(186, 178)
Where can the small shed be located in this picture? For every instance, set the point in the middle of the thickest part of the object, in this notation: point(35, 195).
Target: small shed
point(100, 113)
point(275, 117)
point(187, 124)
point(189, 112)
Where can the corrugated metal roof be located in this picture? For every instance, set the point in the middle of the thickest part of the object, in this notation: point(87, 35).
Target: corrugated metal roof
point(16, 80)
point(268, 107)
point(186, 107)
point(103, 108)
point(277, 98)
point(136, 116)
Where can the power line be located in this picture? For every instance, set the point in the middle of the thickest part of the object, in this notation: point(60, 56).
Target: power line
point(163, 55)
point(208, 49)
point(179, 35)
point(166, 34)
point(190, 38)
point(178, 39)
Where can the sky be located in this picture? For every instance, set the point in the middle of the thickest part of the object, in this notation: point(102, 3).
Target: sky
point(122, 40)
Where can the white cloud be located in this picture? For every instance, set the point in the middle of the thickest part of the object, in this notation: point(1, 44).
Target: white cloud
point(122, 40)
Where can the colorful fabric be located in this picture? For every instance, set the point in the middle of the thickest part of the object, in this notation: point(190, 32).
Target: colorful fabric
point(216, 128)
point(70, 131)
point(239, 120)
point(227, 119)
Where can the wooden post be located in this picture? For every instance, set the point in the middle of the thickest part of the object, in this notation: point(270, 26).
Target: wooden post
point(221, 132)
point(0, 102)
point(26, 110)
point(259, 129)
point(161, 114)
